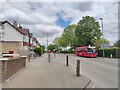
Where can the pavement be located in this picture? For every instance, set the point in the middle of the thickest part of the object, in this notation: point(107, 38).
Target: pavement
point(39, 73)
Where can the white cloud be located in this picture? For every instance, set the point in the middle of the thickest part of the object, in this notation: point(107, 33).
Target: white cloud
point(41, 17)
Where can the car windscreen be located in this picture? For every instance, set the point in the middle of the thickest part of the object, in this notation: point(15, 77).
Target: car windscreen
point(91, 50)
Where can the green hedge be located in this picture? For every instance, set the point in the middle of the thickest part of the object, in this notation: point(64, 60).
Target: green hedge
point(70, 52)
point(107, 52)
point(38, 51)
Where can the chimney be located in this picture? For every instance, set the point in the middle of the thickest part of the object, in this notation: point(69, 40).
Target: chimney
point(20, 26)
point(31, 35)
point(15, 24)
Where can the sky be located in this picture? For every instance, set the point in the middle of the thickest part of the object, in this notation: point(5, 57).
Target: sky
point(51, 17)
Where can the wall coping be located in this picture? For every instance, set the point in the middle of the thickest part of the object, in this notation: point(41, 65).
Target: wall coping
point(1, 59)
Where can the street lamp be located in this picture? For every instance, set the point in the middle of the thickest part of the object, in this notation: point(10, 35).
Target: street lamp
point(47, 42)
point(102, 33)
point(102, 26)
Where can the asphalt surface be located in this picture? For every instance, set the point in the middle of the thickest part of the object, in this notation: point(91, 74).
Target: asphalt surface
point(102, 71)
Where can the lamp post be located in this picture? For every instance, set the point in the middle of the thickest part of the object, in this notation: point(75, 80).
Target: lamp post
point(47, 42)
point(102, 33)
point(102, 26)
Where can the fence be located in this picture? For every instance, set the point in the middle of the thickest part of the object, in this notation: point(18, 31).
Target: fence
point(108, 52)
point(10, 67)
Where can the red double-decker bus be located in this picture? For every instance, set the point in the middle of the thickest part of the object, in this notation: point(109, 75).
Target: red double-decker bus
point(86, 51)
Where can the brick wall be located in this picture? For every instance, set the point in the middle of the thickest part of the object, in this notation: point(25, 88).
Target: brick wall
point(7, 46)
point(0, 72)
point(10, 67)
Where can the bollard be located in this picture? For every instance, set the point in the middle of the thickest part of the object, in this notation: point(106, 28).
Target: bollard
point(29, 58)
point(78, 68)
point(67, 60)
point(48, 57)
point(110, 55)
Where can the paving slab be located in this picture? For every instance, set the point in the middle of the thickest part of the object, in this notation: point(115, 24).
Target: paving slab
point(39, 73)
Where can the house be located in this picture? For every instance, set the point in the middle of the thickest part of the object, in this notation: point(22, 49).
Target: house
point(11, 39)
point(26, 38)
point(15, 38)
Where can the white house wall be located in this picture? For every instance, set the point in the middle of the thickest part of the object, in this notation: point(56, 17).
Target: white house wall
point(25, 38)
point(11, 34)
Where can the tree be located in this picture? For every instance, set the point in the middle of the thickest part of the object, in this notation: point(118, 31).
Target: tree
point(69, 35)
point(98, 42)
point(43, 47)
point(62, 42)
point(55, 41)
point(117, 44)
point(87, 31)
point(52, 47)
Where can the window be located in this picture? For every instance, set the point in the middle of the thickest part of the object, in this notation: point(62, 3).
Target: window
point(91, 50)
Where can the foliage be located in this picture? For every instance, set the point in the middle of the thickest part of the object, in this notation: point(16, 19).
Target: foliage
point(63, 42)
point(68, 52)
point(43, 47)
point(52, 47)
point(55, 41)
point(98, 42)
point(117, 44)
point(107, 52)
point(69, 35)
point(38, 51)
point(87, 31)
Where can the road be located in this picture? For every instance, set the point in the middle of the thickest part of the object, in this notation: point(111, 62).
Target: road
point(102, 71)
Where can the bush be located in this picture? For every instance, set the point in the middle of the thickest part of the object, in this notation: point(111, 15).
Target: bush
point(107, 52)
point(38, 51)
point(69, 52)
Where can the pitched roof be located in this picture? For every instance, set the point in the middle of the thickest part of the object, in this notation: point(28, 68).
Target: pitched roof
point(3, 22)
point(25, 31)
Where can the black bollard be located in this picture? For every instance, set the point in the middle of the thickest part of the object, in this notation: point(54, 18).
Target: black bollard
point(78, 68)
point(67, 60)
point(48, 57)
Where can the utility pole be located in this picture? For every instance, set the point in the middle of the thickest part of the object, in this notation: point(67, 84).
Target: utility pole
point(47, 42)
point(102, 33)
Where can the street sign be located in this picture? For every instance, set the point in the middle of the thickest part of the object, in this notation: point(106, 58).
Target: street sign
point(103, 45)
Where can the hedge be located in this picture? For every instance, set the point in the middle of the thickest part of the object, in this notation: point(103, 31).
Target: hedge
point(107, 52)
point(69, 52)
point(38, 51)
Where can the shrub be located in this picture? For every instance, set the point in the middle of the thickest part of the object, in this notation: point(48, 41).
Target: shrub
point(69, 52)
point(38, 51)
point(107, 52)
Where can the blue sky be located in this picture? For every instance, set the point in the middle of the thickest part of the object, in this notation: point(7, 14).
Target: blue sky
point(63, 22)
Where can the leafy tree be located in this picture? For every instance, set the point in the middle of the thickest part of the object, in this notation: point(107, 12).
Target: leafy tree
point(69, 35)
point(62, 42)
point(117, 44)
point(43, 47)
point(55, 41)
point(87, 31)
point(52, 47)
point(98, 42)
